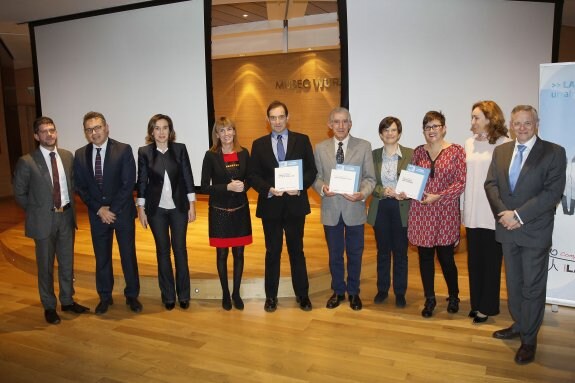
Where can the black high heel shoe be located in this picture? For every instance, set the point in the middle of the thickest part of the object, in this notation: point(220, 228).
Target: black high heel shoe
point(226, 303)
point(428, 307)
point(479, 319)
point(237, 301)
point(453, 304)
point(472, 314)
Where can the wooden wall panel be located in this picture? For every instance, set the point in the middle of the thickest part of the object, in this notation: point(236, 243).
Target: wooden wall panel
point(244, 87)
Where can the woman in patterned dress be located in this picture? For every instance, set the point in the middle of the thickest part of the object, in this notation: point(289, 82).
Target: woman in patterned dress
point(224, 179)
point(484, 253)
point(434, 222)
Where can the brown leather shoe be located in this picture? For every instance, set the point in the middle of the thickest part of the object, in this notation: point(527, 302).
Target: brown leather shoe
point(506, 333)
point(525, 354)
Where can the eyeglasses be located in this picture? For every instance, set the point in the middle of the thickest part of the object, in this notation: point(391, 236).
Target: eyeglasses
point(427, 128)
point(94, 129)
point(277, 118)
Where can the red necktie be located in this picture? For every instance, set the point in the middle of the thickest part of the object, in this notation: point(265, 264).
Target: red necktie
point(55, 182)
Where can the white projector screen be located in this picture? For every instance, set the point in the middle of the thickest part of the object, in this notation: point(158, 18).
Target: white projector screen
point(407, 57)
point(129, 66)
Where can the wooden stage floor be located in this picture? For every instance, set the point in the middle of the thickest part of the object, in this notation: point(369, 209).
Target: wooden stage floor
point(202, 258)
point(380, 343)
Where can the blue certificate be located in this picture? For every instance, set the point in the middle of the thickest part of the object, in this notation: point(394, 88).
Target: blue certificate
point(412, 181)
point(289, 175)
point(345, 179)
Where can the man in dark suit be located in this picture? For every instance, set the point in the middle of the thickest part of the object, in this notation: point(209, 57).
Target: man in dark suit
point(343, 215)
point(105, 174)
point(44, 187)
point(282, 211)
point(524, 184)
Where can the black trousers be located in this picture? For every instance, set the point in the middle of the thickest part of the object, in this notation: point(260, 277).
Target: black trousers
point(102, 241)
point(391, 239)
point(274, 229)
point(169, 228)
point(484, 256)
point(445, 255)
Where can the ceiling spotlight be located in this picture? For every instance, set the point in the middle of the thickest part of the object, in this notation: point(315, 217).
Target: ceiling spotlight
point(245, 15)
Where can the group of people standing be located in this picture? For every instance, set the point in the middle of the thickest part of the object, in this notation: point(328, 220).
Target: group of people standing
point(510, 190)
point(506, 209)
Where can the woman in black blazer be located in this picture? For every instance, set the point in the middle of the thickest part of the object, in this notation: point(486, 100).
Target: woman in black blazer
point(224, 178)
point(166, 201)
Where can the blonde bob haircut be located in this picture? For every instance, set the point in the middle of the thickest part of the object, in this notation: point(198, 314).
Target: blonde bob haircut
point(224, 122)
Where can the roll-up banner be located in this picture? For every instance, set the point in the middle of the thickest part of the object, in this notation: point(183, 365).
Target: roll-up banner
point(557, 124)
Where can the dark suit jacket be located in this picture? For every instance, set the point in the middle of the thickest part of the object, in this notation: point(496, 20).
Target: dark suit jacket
point(215, 179)
point(119, 179)
point(151, 168)
point(33, 191)
point(262, 175)
point(537, 192)
point(377, 194)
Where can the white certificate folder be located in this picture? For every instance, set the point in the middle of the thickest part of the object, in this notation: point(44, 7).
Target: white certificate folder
point(412, 181)
point(289, 175)
point(345, 179)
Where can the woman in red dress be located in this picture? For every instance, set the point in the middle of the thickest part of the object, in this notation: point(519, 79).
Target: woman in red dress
point(224, 179)
point(434, 221)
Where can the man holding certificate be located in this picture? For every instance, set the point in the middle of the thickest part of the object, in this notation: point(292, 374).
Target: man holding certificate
point(345, 178)
point(281, 169)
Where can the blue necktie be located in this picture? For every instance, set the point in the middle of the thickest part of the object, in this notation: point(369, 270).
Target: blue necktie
point(280, 149)
point(516, 167)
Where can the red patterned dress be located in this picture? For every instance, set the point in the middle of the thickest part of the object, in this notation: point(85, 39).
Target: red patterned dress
point(438, 224)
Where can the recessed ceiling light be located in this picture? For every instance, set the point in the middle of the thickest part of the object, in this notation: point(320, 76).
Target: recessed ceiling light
point(245, 15)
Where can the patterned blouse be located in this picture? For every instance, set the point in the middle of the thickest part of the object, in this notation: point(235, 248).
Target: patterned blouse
point(438, 224)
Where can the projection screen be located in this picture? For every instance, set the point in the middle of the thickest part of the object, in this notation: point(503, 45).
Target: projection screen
point(128, 65)
point(410, 56)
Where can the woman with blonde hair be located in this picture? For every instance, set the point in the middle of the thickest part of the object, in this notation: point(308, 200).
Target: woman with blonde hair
point(224, 174)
